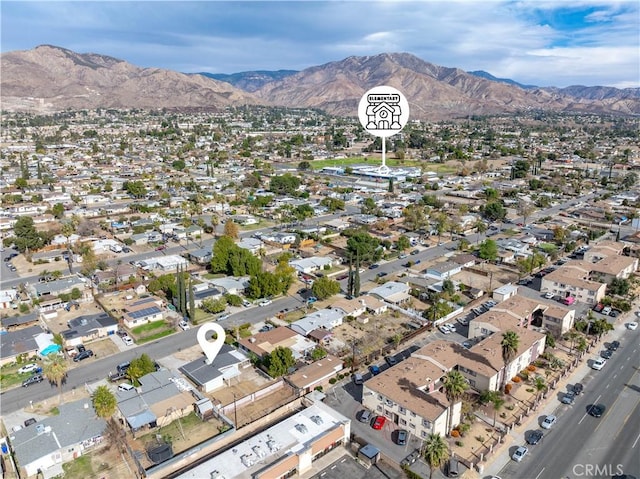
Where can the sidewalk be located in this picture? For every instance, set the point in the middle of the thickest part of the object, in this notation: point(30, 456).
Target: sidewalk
point(500, 457)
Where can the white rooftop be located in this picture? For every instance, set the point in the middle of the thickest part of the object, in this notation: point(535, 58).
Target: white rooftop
point(270, 445)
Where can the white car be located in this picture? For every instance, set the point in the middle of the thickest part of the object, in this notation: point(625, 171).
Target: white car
point(265, 302)
point(444, 329)
point(184, 325)
point(632, 326)
point(127, 340)
point(606, 310)
point(598, 363)
point(549, 295)
point(549, 421)
point(452, 327)
point(125, 387)
point(520, 453)
point(28, 368)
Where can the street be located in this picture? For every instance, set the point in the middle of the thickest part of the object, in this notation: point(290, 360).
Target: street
point(578, 442)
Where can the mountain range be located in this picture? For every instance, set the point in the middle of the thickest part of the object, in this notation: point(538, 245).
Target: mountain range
point(48, 78)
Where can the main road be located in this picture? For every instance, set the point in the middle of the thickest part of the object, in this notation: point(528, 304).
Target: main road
point(582, 446)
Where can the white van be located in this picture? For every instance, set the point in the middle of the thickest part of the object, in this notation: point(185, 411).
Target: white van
point(358, 379)
point(125, 387)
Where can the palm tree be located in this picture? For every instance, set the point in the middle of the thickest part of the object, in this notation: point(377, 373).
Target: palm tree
point(436, 451)
point(56, 372)
point(481, 227)
point(509, 344)
point(572, 336)
point(104, 401)
point(215, 221)
point(497, 404)
point(540, 386)
point(454, 385)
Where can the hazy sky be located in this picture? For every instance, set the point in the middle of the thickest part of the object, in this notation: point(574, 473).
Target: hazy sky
point(545, 43)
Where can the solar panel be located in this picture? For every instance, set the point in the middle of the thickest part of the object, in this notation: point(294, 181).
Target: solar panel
point(144, 312)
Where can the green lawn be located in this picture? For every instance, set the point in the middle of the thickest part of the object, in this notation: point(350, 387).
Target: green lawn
point(146, 328)
point(79, 468)
point(153, 337)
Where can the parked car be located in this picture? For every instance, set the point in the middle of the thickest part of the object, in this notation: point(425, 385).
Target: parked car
point(520, 453)
point(534, 437)
point(127, 340)
point(444, 328)
point(401, 438)
point(358, 379)
point(632, 326)
point(265, 302)
point(606, 354)
point(30, 421)
point(125, 387)
point(246, 303)
point(578, 388)
point(374, 266)
point(29, 368)
point(83, 355)
point(568, 397)
point(597, 410)
point(36, 378)
point(598, 363)
point(379, 422)
point(598, 307)
point(161, 247)
point(312, 299)
point(391, 360)
point(549, 295)
point(375, 370)
point(549, 421)
point(614, 345)
point(184, 325)
point(365, 415)
point(411, 458)
point(606, 310)
point(415, 252)
point(222, 317)
point(382, 274)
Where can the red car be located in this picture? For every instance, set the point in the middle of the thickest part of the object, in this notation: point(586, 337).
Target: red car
point(379, 422)
point(161, 247)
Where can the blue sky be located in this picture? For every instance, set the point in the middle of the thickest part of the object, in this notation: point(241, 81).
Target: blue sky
point(546, 43)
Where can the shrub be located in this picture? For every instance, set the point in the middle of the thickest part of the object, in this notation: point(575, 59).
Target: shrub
point(531, 368)
point(480, 438)
point(516, 379)
point(507, 388)
point(455, 433)
point(459, 443)
point(332, 381)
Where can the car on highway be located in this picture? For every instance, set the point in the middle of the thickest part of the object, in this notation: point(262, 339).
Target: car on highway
point(374, 266)
point(598, 363)
point(614, 345)
point(597, 410)
point(375, 370)
point(379, 422)
point(83, 355)
point(265, 302)
point(36, 378)
point(568, 398)
point(391, 360)
point(549, 421)
point(127, 340)
point(534, 437)
point(632, 326)
point(29, 368)
point(520, 453)
point(184, 325)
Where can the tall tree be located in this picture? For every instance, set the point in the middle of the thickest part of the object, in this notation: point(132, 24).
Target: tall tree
point(55, 369)
point(231, 229)
point(192, 303)
point(104, 401)
point(436, 452)
point(509, 345)
point(454, 385)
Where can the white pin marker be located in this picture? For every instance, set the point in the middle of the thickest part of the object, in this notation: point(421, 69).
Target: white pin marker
point(211, 348)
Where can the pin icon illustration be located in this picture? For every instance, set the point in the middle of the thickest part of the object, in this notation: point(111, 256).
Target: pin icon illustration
point(383, 111)
point(211, 348)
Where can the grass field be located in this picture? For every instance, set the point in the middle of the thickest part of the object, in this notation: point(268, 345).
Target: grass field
point(371, 161)
point(147, 328)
